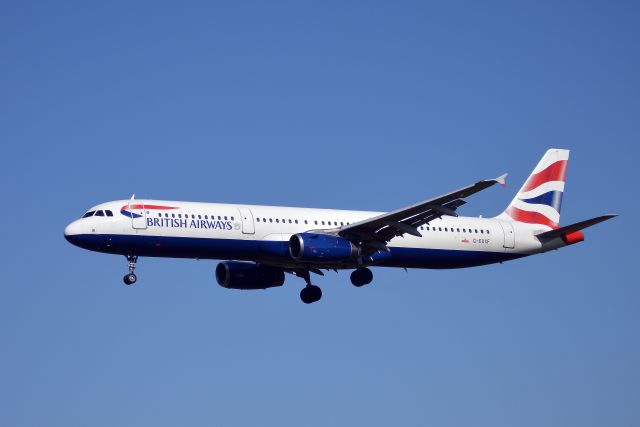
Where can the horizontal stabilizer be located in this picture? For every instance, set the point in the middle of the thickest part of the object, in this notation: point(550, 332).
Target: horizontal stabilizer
point(563, 231)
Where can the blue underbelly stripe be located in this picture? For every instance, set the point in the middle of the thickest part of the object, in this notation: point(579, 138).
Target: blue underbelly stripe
point(275, 251)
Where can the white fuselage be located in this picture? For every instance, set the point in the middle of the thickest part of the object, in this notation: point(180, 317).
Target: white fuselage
point(261, 233)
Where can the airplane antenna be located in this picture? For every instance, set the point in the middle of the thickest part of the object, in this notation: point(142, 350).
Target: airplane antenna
point(133, 196)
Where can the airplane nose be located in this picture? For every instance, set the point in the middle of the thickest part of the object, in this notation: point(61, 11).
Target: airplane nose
point(71, 232)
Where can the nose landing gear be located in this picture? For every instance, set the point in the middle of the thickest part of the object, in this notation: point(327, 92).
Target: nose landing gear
point(130, 278)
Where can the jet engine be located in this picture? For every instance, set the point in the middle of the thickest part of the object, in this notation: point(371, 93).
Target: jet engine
point(316, 247)
point(248, 275)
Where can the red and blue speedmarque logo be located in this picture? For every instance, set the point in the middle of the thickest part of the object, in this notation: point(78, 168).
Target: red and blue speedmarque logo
point(126, 209)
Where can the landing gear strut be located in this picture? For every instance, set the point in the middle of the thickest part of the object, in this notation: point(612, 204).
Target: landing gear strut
point(361, 276)
point(130, 278)
point(310, 293)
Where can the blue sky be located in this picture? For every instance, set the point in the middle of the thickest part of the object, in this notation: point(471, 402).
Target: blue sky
point(363, 105)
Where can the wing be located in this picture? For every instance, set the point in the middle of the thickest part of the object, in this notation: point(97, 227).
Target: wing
point(373, 234)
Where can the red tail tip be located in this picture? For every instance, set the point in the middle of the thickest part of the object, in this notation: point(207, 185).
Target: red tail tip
point(573, 237)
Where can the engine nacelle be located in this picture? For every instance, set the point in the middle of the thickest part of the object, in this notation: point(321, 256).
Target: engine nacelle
point(248, 275)
point(321, 248)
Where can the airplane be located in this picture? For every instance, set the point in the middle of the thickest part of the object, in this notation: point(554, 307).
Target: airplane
point(259, 244)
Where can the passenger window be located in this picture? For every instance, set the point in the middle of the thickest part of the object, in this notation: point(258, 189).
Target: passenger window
point(277, 220)
point(445, 229)
point(270, 219)
point(290, 221)
point(439, 228)
point(225, 218)
point(315, 222)
point(257, 219)
point(179, 215)
point(487, 231)
point(99, 213)
point(296, 221)
point(305, 221)
point(481, 231)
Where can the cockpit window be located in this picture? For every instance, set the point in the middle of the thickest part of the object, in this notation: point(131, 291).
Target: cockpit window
point(88, 214)
point(99, 213)
point(109, 213)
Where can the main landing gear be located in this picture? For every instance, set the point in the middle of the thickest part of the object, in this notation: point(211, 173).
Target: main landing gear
point(130, 278)
point(310, 293)
point(361, 276)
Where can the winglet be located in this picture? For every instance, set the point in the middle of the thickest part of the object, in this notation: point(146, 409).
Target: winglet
point(502, 180)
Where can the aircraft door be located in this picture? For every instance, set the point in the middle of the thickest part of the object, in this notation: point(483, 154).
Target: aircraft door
point(509, 235)
point(138, 215)
point(248, 227)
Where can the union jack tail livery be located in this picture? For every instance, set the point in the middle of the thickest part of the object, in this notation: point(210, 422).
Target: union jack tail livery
point(540, 198)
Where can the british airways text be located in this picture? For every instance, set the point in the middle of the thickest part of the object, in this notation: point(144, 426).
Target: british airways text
point(185, 223)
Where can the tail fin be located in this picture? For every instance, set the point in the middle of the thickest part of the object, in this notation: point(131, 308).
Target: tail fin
point(540, 198)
